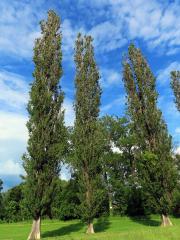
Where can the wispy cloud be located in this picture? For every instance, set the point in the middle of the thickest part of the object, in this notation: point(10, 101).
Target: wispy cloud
point(164, 74)
point(110, 78)
point(13, 139)
point(69, 34)
point(69, 112)
point(156, 23)
point(177, 150)
point(112, 25)
point(13, 126)
point(10, 167)
point(177, 130)
point(14, 90)
point(19, 27)
point(108, 36)
point(120, 101)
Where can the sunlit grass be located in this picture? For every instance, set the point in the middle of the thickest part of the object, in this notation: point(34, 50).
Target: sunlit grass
point(113, 228)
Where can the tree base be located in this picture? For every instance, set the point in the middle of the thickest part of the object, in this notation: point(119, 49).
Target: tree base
point(165, 221)
point(35, 233)
point(90, 228)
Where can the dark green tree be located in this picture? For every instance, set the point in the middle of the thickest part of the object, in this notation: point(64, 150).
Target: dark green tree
point(47, 133)
point(13, 207)
point(156, 168)
point(119, 164)
point(1, 185)
point(175, 84)
point(86, 136)
point(66, 203)
point(113, 165)
point(1, 200)
point(13, 199)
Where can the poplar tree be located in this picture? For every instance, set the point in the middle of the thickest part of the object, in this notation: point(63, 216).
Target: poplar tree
point(1, 188)
point(47, 134)
point(87, 136)
point(1, 185)
point(1, 199)
point(175, 84)
point(156, 168)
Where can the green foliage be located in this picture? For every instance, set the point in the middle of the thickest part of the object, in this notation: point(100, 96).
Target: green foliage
point(11, 211)
point(155, 165)
point(176, 202)
point(1, 200)
point(176, 195)
point(1, 185)
point(125, 196)
point(47, 134)
point(13, 204)
point(175, 84)
point(136, 202)
point(66, 203)
point(86, 139)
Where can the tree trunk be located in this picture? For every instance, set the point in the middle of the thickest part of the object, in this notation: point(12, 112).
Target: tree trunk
point(90, 228)
point(36, 230)
point(109, 195)
point(110, 206)
point(165, 221)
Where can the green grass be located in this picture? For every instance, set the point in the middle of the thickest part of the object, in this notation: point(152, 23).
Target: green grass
point(113, 228)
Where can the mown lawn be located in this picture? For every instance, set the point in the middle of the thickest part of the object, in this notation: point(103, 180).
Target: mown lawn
point(113, 228)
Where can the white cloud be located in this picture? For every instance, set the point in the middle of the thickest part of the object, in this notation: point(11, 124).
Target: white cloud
point(115, 149)
point(107, 36)
point(65, 173)
point(110, 77)
point(120, 21)
point(177, 150)
point(19, 27)
point(173, 51)
point(69, 112)
point(177, 130)
point(118, 101)
point(10, 167)
point(13, 126)
point(69, 34)
point(13, 139)
point(155, 22)
point(14, 90)
point(164, 74)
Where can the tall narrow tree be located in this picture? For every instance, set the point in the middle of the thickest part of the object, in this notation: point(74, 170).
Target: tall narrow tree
point(156, 166)
point(1, 202)
point(175, 84)
point(86, 137)
point(47, 133)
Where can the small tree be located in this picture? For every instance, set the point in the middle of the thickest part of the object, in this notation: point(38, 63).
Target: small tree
point(87, 137)
point(47, 134)
point(156, 168)
point(175, 84)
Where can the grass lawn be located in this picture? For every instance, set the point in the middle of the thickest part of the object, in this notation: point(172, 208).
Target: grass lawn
point(112, 228)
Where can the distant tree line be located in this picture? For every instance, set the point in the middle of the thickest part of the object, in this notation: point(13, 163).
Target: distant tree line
point(126, 199)
point(119, 165)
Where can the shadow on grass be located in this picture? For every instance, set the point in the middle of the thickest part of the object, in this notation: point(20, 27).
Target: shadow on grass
point(64, 230)
point(146, 220)
point(101, 224)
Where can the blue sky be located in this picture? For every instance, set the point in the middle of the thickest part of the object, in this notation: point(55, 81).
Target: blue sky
point(154, 26)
